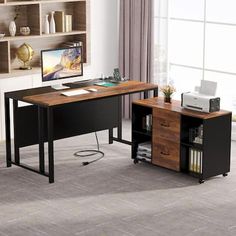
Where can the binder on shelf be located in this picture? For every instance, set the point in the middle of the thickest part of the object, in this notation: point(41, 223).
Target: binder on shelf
point(191, 160)
point(198, 161)
point(201, 163)
point(195, 160)
point(60, 21)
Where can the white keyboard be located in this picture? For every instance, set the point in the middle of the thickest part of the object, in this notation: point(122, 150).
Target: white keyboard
point(74, 92)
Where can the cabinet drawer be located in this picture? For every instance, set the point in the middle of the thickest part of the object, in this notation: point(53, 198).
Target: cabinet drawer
point(166, 114)
point(166, 124)
point(166, 153)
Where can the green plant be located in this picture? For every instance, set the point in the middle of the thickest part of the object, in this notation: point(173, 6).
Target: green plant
point(167, 90)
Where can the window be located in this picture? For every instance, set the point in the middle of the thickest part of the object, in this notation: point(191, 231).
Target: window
point(194, 40)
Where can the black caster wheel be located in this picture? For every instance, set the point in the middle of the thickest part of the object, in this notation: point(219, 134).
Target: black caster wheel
point(201, 181)
point(225, 174)
point(135, 161)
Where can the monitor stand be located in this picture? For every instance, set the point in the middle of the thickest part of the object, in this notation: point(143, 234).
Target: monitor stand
point(59, 86)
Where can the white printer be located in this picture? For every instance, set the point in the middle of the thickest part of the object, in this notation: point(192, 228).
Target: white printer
point(204, 100)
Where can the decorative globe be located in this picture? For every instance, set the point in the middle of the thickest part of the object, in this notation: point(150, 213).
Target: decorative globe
point(25, 53)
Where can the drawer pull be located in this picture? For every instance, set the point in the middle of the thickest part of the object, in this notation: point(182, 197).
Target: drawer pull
point(165, 153)
point(167, 125)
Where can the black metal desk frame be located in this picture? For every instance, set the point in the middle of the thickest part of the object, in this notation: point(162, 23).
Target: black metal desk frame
point(47, 112)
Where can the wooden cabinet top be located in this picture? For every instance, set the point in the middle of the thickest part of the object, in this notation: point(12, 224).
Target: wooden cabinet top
point(175, 106)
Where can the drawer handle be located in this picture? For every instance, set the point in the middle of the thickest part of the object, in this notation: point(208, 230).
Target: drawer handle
point(167, 125)
point(165, 153)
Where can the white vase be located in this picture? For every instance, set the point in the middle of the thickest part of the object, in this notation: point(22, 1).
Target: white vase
point(12, 28)
point(46, 25)
point(52, 24)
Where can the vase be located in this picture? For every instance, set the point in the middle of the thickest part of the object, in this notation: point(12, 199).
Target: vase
point(167, 99)
point(46, 25)
point(52, 24)
point(12, 28)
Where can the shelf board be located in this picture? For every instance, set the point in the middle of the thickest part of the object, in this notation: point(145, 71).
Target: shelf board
point(18, 72)
point(16, 38)
point(74, 32)
point(194, 174)
point(15, 3)
point(143, 132)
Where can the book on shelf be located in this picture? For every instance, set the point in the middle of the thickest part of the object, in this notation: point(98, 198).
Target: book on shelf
point(143, 158)
point(72, 44)
point(147, 122)
point(195, 160)
point(68, 23)
point(146, 146)
point(60, 21)
point(144, 154)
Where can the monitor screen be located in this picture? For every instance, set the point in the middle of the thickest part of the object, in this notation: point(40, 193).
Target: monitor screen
point(61, 63)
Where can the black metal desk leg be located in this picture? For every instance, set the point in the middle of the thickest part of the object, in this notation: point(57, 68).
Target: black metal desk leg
point(41, 139)
point(155, 92)
point(119, 129)
point(111, 136)
point(145, 93)
point(15, 120)
point(8, 131)
point(50, 145)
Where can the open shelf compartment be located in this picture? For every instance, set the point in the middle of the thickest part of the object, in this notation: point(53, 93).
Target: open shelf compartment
point(32, 20)
point(142, 129)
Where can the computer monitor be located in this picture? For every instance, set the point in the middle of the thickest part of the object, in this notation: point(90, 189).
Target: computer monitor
point(61, 63)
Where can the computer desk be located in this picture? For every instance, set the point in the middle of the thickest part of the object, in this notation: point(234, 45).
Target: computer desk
point(52, 116)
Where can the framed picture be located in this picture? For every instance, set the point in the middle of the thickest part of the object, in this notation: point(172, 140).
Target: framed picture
point(116, 74)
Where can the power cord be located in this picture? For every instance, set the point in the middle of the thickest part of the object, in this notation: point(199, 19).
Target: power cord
point(90, 152)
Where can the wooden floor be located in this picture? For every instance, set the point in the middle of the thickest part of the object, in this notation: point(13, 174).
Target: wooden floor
point(112, 196)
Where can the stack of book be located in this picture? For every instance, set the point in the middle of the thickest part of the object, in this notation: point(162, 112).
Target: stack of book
point(63, 22)
point(72, 44)
point(195, 160)
point(144, 151)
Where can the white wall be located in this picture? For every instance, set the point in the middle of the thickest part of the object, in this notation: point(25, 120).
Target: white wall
point(104, 37)
point(103, 51)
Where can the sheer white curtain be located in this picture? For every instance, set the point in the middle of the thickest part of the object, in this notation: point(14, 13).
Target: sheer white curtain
point(161, 21)
point(194, 40)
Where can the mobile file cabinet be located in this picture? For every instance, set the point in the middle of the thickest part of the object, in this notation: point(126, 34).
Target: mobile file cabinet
point(170, 136)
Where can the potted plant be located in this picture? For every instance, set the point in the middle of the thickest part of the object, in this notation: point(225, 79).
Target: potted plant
point(167, 91)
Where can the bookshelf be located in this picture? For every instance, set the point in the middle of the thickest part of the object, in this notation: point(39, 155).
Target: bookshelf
point(194, 143)
point(32, 14)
